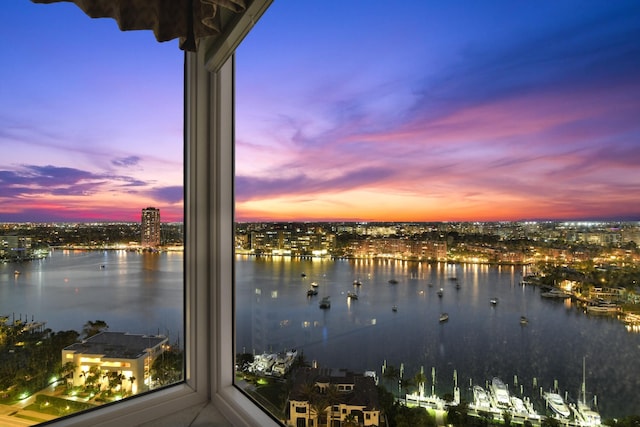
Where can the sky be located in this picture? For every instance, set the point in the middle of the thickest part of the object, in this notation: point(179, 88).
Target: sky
point(345, 111)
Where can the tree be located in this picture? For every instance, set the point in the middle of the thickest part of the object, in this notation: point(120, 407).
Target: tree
point(350, 421)
point(420, 379)
point(308, 392)
point(332, 397)
point(167, 368)
point(457, 415)
point(413, 417)
point(549, 422)
point(93, 328)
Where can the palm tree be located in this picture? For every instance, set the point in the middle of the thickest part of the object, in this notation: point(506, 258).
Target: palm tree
point(319, 405)
point(350, 421)
point(308, 392)
point(420, 379)
point(332, 397)
point(391, 373)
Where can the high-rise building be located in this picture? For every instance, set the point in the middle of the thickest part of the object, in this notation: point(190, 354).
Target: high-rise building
point(150, 230)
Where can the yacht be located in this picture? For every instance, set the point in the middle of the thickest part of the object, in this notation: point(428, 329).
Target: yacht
point(481, 398)
point(500, 393)
point(589, 416)
point(518, 406)
point(325, 303)
point(555, 293)
point(556, 403)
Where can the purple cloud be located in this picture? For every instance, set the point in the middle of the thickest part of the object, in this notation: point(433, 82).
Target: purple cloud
point(172, 194)
point(126, 161)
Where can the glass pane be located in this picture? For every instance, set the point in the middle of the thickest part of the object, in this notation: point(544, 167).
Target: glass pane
point(441, 199)
point(91, 213)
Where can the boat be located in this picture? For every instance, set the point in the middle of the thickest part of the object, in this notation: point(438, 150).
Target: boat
point(311, 292)
point(357, 283)
point(500, 393)
point(314, 284)
point(556, 403)
point(523, 320)
point(16, 273)
point(481, 398)
point(303, 275)
point(555, 293)
point(444, 317)
point(518, 406)
point(393, 282)
point(394, 308)
point(493, 301)
point(352, 295)
point(604, 308)
point(325, 303)
point(589, 417)
point(440, 291)
point(458, 285)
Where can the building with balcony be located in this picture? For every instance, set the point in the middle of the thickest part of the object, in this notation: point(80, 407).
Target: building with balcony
point(330, 397)
point(128, 355)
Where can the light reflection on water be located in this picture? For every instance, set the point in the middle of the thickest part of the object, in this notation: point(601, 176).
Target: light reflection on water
point(479, 341)
point(133, 292)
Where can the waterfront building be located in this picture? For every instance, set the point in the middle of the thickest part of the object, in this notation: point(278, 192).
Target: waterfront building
point(150, 230)
point(15, 248)
point(354, 397)
point(115, 352)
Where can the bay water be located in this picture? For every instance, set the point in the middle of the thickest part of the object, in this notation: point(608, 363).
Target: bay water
point(143, 293)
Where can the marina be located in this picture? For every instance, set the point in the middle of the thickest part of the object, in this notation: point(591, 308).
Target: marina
point(540, 340)
point(495, 402)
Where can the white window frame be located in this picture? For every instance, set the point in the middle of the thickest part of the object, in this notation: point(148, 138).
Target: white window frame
point(208, 395)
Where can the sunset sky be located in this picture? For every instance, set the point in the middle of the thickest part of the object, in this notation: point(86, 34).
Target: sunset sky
point(398, 111)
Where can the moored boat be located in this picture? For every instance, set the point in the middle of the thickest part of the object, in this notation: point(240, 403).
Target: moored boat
point(325, 303)
point(352, 295)
point(523, 320)
point(444, 317)
point(555, 293)
point(500, 393)
point(603, 308)
point(440, 292)
point(311, 292)
point(481, 398)
point(556, 404)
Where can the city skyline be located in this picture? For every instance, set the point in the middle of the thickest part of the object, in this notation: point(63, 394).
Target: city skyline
point(419, 111)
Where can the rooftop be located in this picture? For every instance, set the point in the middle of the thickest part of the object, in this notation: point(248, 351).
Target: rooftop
point(118, 345)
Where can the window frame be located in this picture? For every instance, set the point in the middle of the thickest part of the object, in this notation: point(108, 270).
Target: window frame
point(208, 393)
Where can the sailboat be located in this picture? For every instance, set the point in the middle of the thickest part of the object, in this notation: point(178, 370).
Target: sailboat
point(589, 416)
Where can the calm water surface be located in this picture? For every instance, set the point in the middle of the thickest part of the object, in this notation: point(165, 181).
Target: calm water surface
point(479, 341)
point(143, 293)
point(134, 292)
